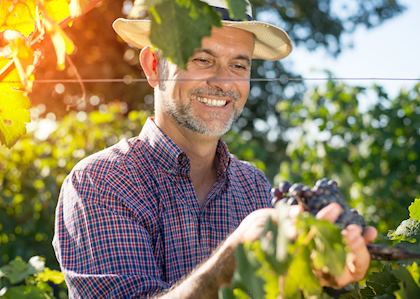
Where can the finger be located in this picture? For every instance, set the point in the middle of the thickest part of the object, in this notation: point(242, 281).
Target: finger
point(354, 229)
point(369, 234)
point(295, 210)
point(353, 237)
point(330, 212)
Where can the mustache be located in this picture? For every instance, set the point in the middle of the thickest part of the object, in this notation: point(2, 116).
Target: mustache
point(210, 91)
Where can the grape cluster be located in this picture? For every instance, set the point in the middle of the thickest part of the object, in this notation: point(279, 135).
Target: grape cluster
point(314, 199)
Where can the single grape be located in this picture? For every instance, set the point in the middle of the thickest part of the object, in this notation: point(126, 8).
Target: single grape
point(284, 186)
point(276, 192)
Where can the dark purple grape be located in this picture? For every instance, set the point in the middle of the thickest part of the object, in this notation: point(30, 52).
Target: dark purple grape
point(324, 192)
point(284, 186)
point(276, 192)
point(297, 189)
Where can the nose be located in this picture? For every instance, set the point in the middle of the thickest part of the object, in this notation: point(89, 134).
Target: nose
point(221, 78)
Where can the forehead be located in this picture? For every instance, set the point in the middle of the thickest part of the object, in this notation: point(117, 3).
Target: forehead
point(230, 40)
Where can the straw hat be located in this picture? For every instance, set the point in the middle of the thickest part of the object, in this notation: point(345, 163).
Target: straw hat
point(271, 42)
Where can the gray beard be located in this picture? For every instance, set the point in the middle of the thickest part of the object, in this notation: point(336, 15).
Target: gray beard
point(183, 116)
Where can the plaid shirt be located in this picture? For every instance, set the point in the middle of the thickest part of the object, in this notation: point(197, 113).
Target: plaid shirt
point(128, 223)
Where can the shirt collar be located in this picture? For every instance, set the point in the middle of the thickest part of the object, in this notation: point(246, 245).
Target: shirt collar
point(171, 157)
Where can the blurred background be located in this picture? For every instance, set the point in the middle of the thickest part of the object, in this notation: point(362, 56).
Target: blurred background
point(362, 133)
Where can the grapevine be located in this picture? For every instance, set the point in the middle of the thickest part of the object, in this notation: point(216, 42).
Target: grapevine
point(324, 192)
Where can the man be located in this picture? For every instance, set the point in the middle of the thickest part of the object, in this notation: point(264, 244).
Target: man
point(162, 213)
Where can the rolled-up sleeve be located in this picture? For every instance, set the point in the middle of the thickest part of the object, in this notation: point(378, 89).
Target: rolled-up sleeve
point(103, 251)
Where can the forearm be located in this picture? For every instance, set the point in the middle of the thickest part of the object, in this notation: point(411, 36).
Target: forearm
point(205, 281)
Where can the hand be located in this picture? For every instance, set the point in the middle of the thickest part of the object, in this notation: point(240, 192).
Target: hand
point(358, 258)
point(252, 226)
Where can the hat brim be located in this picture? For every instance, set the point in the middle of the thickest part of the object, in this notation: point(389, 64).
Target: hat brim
point(271, 42)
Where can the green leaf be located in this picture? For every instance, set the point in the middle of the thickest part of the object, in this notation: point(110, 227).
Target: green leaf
point(24, 292)
point(245, 276)
point(300, 277)
point(175, 35)
point(415, 272)
point(329, 253)
point(269, 268)
point(409, 288)
point(283, 232)
point(237, 9)
point(383, 283)
point(414, 209)
point(17, 270)
point(225, 293)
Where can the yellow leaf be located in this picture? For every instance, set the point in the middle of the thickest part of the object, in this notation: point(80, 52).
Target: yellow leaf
point(57, 10)
point(62, 43)
point(18, 15)
point(23, 58)
point(14, 109)
point(77, 7)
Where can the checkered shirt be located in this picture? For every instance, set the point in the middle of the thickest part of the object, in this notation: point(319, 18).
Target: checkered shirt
point(128, 223)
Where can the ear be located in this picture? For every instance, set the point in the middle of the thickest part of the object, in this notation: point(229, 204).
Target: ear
point(148, 61)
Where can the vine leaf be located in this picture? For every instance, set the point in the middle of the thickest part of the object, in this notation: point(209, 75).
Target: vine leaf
point(301, 277)
point(17, 270)
point(77, 7)
point(18, 16)
point(57, 10)
point(329, 254)
point(237, 9)
point(171, 29)
point(14, 108)
point(414, 209)
point(62, 43)
point(246, 277)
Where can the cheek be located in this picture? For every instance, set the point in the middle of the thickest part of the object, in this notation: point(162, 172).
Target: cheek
point(244, 90)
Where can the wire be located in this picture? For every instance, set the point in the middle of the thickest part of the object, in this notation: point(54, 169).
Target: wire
point(129, 80)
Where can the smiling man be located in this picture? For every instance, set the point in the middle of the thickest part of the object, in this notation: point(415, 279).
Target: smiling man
point(162, 213)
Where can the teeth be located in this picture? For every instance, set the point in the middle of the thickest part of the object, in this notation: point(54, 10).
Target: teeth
point(211, 102)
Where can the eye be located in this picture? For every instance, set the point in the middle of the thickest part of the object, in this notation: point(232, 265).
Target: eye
point(202, 61)
point(240, 66)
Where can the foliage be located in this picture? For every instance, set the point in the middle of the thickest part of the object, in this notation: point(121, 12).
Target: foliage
point(32, 172)
point(373, 155)
point(275, 266)
point(407, 234)
point(31, 280)
point(24, 24)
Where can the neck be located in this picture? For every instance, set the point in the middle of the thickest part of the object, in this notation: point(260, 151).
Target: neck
point(200, 150)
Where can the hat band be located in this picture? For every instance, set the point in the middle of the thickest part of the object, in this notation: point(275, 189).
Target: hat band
point(224, 13)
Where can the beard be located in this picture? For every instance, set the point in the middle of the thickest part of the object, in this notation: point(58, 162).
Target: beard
point(184, 116)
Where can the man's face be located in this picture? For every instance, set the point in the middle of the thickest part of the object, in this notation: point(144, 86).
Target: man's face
point(210, 94)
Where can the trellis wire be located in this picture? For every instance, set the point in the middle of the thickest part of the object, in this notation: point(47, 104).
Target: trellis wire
point(129, 80)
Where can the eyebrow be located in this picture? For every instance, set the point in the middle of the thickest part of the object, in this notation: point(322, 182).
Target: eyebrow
point(210, 52)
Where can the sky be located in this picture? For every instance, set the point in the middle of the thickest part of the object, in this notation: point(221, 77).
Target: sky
point(389, 50)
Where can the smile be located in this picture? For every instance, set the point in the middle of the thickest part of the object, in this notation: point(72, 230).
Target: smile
point(211, 102)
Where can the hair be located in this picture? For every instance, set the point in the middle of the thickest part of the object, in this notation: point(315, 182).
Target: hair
point(162, 67)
